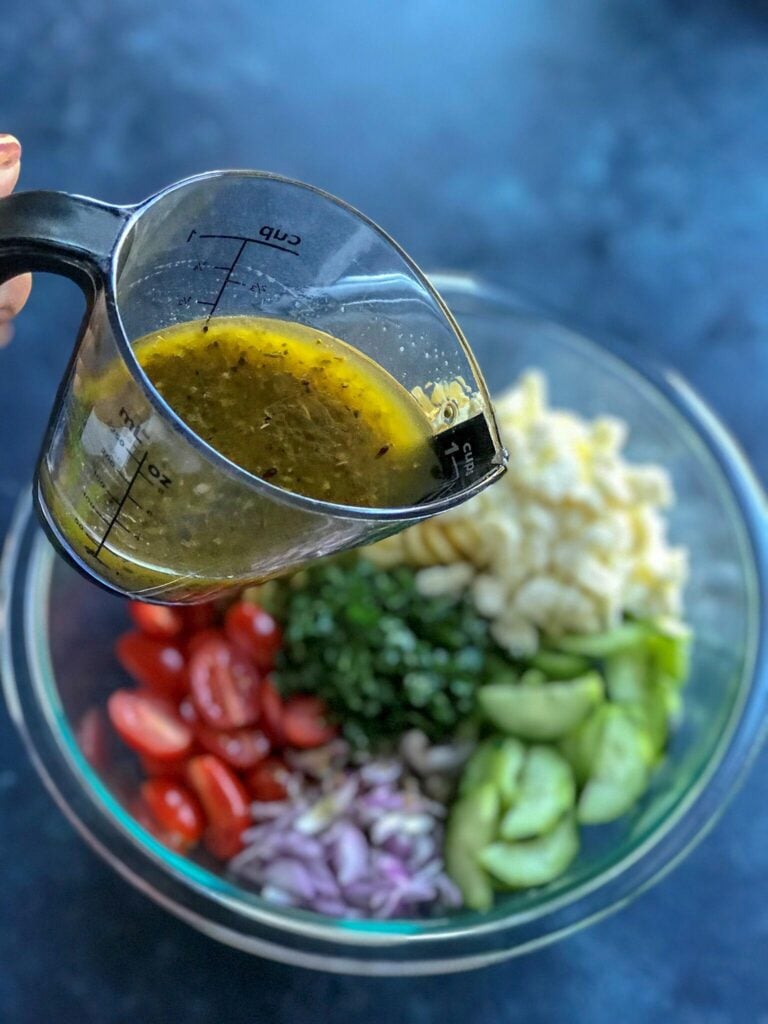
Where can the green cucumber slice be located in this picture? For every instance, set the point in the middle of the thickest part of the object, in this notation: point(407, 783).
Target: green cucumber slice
point(533, 861)
point(541, 712)
point(580, 746)
point(669, 646)
point(626, 676)
point(620, 770)
point(498, 760)
point(472, 824)
point(546, 791)
point(557, 665)
point(602, 645)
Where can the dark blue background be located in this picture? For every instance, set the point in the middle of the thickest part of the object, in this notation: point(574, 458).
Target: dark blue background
point(610, 158)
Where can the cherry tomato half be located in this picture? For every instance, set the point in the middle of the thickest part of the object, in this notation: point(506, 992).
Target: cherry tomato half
point(196, 617)
point(305, 723)
point(157, 664)
point(254, 631)
point(149, 725)
point(267, 780)
point(271, 719)
point(93, 738)
point(174, 808)
point(224, 685)
point(196, 640)
point(242, 748)
point(146, 819)
point(225, 802)
point(156, 619)
point(157, 769)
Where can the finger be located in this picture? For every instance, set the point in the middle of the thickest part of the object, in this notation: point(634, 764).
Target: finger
point(10, 157)
point(13, 295)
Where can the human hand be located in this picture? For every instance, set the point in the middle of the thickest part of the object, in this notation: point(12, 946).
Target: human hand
point(14, 293)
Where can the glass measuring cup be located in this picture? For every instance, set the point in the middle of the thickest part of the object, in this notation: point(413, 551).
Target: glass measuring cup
point(127, 492)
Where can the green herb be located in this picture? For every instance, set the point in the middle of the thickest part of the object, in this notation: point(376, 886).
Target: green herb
point(383, 657)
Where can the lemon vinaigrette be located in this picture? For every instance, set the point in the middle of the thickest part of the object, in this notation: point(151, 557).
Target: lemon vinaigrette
point(289, 404)
point(295, 406)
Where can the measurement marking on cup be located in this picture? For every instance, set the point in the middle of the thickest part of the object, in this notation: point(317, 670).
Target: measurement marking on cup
point(130, 497)
point(119, 508)
point(225, 282)
point(267, 233)
point(256, 241)
point(105, 519)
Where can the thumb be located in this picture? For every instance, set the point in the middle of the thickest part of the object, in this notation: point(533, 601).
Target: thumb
point(13, 294)
point(10, 163)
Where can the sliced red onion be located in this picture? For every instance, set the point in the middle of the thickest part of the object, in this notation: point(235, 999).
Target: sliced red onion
point(349, 852)
point(351, 840)
point(266, 810)
point(380, 773)
point(290, 876)
point(279, 897)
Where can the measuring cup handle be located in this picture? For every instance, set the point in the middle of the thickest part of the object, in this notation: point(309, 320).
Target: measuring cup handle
point(58, 232)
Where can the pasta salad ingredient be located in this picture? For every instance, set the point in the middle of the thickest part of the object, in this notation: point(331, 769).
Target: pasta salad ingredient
point(357, 840)
point(383, 659)
point(571, 540)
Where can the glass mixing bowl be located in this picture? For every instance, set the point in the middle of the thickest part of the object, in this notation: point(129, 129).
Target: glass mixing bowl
point(57, 662)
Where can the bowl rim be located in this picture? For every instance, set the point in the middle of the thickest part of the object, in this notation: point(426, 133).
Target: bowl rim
point(658, 852)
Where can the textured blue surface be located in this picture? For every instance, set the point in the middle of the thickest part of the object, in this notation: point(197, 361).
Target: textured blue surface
point(608, 158)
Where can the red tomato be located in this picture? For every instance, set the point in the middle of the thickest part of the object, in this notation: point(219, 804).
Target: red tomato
point(146, 819)
point(149, 725)
point(305, 723)
point(267, 780)
point(201, 638)
point(92, 736)
point(271, 712)
point(188, 712)
point(156, 619)
point(164, 769)
point(174, 808)
point(222, 844)
point(242, 748)
point(224, 685)
point(196, 617)
point(255, 632)
point(225, 802)
point(157, 664)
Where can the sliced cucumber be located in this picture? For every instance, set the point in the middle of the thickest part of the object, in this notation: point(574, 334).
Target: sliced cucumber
point(480, 766)
point(509, 765)
point(533, 861)
point(669, 646)
point(631, 682)
point(620, 769)
point(626, 676)
point(602, 645)
point(544, 712)
point(580, 746)
point(532, 677)
point(499, 761)
point(547, 790)
point(472, 824)
point(559, 666)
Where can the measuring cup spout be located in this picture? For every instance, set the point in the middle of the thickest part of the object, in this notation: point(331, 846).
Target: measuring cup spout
point(57, 232)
